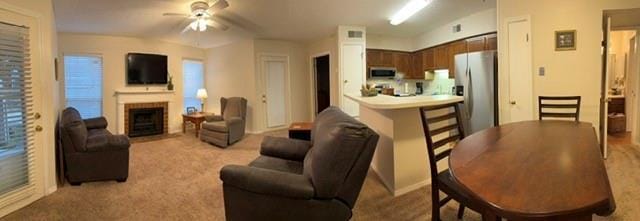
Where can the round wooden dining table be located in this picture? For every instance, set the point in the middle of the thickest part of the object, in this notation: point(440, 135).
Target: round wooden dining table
point(534, 170)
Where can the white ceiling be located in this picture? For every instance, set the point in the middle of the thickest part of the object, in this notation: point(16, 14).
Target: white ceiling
point(294, 20)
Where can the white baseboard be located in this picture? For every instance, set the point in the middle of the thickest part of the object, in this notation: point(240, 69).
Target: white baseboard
point(51, 189)
point(404, 190)
point(412, 187)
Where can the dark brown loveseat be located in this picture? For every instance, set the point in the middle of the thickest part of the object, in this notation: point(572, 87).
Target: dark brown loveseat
point(303, 180)
point(91, 152)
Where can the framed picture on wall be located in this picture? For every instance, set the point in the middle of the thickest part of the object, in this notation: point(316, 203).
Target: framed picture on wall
point(566, 40)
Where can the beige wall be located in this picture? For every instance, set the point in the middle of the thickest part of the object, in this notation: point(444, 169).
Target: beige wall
point(234, 70)
point(321, 47)
point(230, 72)
point(299, 76)
point(567, 72)
point(48, 87)
point(113, 51)
point(474, 24)
point(377, 41)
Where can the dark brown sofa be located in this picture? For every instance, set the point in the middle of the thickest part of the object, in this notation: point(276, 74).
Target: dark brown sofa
point(303, 180)
point(91, 152)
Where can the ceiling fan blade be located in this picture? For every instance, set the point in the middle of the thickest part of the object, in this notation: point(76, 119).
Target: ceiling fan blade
point(176, 14)
point(218, 5)
point(217, 25)
point(186, 28)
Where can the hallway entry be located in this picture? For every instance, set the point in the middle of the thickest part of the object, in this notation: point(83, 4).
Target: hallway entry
point(322, 82)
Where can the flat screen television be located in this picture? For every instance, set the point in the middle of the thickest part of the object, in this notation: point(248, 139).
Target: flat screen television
point(146, 68)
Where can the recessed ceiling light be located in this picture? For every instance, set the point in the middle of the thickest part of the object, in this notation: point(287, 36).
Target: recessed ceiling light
point(408, 10)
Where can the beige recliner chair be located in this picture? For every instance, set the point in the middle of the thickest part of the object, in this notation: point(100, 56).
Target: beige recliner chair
point(227, 128)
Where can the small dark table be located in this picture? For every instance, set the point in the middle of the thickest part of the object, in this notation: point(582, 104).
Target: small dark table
point(196, 119)
point(300, 130)
point(534, 170)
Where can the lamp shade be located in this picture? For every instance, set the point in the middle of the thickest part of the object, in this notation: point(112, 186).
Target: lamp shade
point(202, 93)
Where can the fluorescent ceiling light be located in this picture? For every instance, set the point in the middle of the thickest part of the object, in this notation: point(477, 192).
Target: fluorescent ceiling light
point(408, 10)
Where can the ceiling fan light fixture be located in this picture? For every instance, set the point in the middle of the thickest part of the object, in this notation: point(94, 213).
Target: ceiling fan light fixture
point(408, 10)
point(194, 25)
point(202, 25)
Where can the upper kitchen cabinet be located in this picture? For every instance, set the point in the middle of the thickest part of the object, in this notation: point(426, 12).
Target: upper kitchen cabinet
point(455, 48)
point(491, 42)
point(416, 65)
point(476, 44)
point(441, 54)
point(379, 58)
point(402, 63)
point(374, 57)
point(483, 43)
point(428, 59)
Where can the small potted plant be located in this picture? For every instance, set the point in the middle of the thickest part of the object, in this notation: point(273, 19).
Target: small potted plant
point(170, 84)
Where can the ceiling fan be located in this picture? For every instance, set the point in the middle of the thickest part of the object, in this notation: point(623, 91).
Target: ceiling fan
point(203, 16)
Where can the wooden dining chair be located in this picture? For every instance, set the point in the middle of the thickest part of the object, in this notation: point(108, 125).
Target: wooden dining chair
point(564, 107)
point(445, 119)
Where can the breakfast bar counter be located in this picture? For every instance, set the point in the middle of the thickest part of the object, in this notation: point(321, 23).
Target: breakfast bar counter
point(400, 159)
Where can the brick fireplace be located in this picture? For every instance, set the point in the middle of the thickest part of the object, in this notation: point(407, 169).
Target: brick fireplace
point(145, 119)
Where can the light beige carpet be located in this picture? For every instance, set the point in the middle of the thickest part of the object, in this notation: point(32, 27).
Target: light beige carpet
point(177, 179)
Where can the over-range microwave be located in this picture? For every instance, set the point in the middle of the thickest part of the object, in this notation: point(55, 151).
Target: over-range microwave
point(382, 72)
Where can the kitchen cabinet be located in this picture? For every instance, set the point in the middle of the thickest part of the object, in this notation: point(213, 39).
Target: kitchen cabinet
point(476, 44)
point(379, 58)
point(414, 64)
point(483, 43)
point(441, 54)
point(428, 59)
point(455, 48)
point(491, 42)
point(402, 63)
point(374, 57)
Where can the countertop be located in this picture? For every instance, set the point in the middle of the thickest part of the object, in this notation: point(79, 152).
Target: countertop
point(391, 102)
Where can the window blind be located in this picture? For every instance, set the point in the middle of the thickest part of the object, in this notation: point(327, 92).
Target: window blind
point(16, 117)
point(83, 84)
point(193, 79)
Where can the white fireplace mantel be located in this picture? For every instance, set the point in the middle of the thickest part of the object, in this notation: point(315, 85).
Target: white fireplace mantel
point(126, 96)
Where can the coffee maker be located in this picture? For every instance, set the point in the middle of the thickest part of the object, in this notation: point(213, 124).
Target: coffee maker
point(419, 89)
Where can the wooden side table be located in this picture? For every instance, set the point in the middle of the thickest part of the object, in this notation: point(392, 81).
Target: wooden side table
point(196, 119)
point(300, 130)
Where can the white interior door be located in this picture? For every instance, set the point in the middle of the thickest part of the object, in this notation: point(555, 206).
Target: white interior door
point(22, 173)
point(605, 94)
point(352, 76)
point(275, 91)
point(520, 75)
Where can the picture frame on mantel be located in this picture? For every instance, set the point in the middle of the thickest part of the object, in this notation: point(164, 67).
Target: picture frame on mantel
point(566, 40)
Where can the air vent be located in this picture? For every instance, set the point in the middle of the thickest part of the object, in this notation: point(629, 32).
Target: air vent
point(355, 34)
point(457, 28)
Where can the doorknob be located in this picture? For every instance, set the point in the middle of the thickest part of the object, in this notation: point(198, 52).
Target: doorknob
point(36, 116)
point(38, 128)
point(513, 102)
point(346, 81)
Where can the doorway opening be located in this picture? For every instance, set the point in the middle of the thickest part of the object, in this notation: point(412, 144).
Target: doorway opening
point(620, 82)
point(321, 70)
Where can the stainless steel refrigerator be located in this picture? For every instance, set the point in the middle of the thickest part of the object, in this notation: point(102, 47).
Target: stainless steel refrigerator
point(476, 80)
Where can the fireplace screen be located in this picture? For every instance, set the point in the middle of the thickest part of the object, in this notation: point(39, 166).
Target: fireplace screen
point(146, 121)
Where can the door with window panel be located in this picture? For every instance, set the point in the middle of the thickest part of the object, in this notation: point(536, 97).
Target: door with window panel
point(21, 157)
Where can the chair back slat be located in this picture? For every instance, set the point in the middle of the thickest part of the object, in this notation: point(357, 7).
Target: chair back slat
point(558, 107)
point(448, 129)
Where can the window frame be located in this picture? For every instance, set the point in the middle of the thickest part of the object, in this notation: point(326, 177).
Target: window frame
point(204, 84)
point(63, 72)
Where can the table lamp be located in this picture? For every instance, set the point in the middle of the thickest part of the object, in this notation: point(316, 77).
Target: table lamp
point(202, 94)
